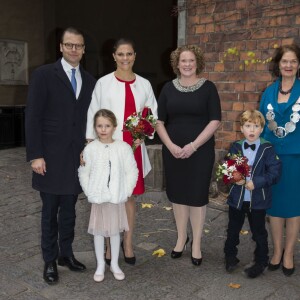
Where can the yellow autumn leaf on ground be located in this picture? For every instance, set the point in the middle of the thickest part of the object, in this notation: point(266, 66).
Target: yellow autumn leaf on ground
point(160, 252)
point(167, 207)
point(147, 205)
point(234, 285)
point(244, 232)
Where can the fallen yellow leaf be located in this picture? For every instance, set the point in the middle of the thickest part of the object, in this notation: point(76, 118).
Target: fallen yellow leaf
point(147, 205)
point(244, 232)
point(168, 207)
point(160, 252)
point(234, 285)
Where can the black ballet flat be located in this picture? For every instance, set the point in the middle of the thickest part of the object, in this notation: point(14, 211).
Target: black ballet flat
point(128, 260)
point(177, 254)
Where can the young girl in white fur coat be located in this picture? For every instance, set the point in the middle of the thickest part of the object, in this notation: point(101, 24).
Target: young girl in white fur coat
point(107, 179)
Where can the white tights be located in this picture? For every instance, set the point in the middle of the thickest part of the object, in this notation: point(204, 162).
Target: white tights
point(99, 251)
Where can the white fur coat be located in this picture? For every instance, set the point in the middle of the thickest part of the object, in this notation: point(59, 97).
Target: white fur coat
point(110, 172)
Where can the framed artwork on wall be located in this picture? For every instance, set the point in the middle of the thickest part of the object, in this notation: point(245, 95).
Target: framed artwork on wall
point(13, 62)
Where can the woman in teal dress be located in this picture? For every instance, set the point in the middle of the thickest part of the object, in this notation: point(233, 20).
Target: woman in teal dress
point(281, 106)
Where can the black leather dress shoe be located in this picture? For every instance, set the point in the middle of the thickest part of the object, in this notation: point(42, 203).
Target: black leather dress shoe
point(50, 273)
point(231, 263)
point(72, 263)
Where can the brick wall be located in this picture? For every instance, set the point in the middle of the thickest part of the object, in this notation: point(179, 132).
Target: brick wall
point(255, 26)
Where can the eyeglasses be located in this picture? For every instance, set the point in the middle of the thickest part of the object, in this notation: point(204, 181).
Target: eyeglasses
point(286, 62)
point(70, 46)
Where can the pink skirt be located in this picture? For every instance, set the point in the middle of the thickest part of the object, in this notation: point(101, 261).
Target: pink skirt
point(108, 219)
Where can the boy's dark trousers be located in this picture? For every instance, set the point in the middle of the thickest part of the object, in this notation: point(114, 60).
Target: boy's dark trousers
point(256, 218)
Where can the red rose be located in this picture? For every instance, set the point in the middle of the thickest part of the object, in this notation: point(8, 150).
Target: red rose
point(226, 179)
point(148, 129)
point(230, 162)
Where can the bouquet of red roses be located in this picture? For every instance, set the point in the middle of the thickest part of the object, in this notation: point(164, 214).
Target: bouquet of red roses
point(233, 169)
point(141, 125)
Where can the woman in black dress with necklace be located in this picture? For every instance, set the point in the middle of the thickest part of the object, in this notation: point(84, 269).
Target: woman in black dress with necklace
point(189, 113)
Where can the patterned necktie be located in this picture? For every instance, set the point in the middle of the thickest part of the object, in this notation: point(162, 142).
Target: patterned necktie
point(73, 81)
point(246, 146)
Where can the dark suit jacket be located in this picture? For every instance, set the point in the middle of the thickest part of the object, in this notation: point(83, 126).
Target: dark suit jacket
point(55, 124)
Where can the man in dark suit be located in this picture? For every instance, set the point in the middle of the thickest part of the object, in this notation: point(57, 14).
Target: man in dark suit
point(58, 99)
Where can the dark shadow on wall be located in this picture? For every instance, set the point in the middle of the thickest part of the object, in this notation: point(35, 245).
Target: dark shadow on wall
point(108, 63)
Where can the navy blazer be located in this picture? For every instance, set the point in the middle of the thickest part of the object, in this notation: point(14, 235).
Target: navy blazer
point(265, 172)
point(55, 125)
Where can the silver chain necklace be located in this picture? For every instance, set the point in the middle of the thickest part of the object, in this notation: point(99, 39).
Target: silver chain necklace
point(289, 126)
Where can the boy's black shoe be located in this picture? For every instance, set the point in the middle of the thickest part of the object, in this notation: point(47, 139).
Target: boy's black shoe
point(231, 263)
point(255, 270)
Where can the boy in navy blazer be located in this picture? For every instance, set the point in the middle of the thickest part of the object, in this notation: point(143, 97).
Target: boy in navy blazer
point(252, 196)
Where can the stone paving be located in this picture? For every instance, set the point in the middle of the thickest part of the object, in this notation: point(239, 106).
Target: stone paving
point(151, 278)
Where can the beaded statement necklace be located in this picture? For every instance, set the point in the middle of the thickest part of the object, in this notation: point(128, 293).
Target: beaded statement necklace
point(187, 89)
point(282, 92)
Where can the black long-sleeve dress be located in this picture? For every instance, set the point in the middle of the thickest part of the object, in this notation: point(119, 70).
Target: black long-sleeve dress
point(185, 113)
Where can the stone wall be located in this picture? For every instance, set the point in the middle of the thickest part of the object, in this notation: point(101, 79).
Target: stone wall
point(22, 20)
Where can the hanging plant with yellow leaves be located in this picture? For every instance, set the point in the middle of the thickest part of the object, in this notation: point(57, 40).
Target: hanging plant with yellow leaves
point(250, 60)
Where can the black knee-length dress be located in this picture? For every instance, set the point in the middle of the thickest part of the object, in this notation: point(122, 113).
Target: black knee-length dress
point(185, 113)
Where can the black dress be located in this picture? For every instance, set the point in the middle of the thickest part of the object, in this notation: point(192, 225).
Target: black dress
point(185, 113)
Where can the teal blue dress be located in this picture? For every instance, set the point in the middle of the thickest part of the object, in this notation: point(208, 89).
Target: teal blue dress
point(285, 194)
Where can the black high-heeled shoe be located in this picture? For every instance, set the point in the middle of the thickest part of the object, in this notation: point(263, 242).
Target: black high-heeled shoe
point(288, 271)
point(177, 254)
point(107, 260)
point(195, 261)
point(272, 267)
point(128, 260)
